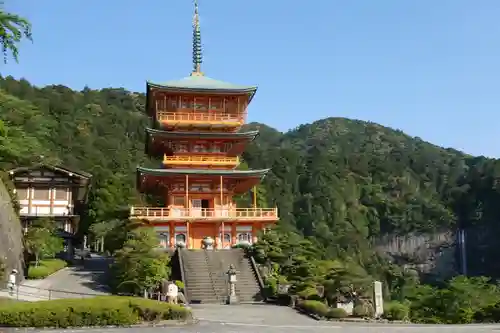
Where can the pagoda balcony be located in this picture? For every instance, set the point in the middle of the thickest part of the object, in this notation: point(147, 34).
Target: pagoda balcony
point(208, 119)
point(208, 214)
point(215, 161)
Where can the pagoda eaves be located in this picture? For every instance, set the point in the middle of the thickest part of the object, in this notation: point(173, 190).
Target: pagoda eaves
point(158, 142)
point(202, 84)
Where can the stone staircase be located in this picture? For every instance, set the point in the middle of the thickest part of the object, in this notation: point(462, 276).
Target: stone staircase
point(199, 286)
point(206, 279)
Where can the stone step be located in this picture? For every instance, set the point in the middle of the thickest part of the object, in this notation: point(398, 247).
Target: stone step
point(206, 277)
point(204, 284)
point(200, 287)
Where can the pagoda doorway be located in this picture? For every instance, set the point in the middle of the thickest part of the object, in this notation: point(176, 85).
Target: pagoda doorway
point(196, 207)
point(227, 240)
point(205, 205)
point(180, 239)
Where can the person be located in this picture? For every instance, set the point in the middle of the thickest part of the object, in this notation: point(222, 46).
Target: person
point(12, 280)
point(172, 293)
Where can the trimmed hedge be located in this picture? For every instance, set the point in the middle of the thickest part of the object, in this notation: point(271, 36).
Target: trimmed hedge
point(45, 268)
point(336, 313)
point(314, 307)
point(396, 311)
point(97, 311)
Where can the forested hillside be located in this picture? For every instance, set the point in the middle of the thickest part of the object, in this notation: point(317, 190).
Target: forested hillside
point(343, 183)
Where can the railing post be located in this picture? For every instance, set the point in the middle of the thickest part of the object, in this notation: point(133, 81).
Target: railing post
point(132, 211)
point(147, 211)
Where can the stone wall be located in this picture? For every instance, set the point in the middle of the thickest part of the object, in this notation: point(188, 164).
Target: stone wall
point(432, 255)
point(11, 246)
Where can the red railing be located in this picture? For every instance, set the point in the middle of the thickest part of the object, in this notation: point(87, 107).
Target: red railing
point(198, 117)
point(203, 213)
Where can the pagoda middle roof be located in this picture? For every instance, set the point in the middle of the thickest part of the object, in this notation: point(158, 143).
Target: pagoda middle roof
point(203, 84)
point(251, 135)
point(228, 173)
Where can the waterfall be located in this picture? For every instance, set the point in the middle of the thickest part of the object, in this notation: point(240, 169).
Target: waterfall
point(463, 252)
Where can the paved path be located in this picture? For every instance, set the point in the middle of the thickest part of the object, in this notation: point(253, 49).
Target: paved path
point(273, 319)
point(71, 282)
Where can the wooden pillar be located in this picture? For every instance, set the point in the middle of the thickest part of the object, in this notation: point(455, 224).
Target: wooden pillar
point(171, 233)
point(222, 232)
point(233, 234)
point(52, 194)
point(188, 235)
point(255, 230)
point(30, 200)
point(221, 194)
point(186, 204)
point(255, 197)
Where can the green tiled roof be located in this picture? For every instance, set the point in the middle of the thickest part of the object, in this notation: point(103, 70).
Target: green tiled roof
point(203, 83)
point(227, 173)
point(202, 135)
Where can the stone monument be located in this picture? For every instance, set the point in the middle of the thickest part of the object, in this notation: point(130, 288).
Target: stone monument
point(378, 299)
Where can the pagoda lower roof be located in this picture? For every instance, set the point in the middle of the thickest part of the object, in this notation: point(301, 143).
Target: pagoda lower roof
point(203, 135)
point(203, 172)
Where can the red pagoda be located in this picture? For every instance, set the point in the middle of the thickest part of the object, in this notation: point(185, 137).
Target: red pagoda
point(196, 128)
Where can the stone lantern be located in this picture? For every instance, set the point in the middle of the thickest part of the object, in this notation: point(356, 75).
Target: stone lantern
point(231, 279)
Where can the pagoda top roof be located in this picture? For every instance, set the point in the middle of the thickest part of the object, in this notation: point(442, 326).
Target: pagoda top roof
point(200, 83)
point(227, 173)
point(202, 135)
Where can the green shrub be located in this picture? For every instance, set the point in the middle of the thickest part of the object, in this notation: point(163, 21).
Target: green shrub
point(396, 311)
point(363, 310)
point(336, 313)
point(270, 286)
point(309, 293)
point(314, 307)
point(45, 268)
point(179, 284)
point(488, 314)
point(98, 311)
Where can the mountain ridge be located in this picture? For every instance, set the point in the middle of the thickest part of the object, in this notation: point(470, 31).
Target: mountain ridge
point(338, 181)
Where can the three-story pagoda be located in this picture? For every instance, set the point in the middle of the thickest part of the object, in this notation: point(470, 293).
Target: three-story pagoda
point(197, 122)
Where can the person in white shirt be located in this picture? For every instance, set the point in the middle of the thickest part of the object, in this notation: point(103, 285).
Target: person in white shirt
point(12, 280)
point(172, 293)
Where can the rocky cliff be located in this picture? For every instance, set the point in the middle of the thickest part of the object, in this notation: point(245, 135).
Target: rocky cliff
point(11, 246)
point(435, 256)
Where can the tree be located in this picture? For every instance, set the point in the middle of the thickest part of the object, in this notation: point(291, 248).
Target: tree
point(139, 266)
point(13, 28)
point(102, 230)
point(41, 242)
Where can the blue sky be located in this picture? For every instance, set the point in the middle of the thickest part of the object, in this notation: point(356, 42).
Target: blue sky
point(430, 68)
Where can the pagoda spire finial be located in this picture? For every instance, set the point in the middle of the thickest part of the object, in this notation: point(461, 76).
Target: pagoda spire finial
point(197, 50)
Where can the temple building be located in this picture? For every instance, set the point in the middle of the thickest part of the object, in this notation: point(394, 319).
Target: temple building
point(196, 129)
point(52, 192)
